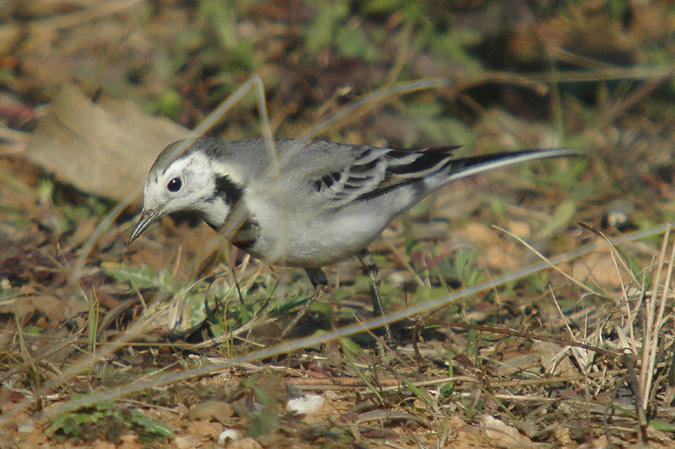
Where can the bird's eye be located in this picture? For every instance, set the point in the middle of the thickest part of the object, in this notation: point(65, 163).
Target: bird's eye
point(174, 185)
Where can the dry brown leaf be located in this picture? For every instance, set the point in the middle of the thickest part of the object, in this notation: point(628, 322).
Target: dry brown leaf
point(105, 149)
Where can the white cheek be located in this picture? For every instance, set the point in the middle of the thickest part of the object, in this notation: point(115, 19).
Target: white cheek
point(176, 203)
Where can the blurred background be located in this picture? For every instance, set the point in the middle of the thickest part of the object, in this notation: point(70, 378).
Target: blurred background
point(575, 66)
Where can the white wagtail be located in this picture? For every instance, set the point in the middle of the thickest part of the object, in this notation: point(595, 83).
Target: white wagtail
point(307, 205)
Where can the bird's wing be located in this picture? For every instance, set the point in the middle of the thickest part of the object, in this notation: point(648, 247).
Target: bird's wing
point(323, 175)
point(372, 172)
point(369, 172)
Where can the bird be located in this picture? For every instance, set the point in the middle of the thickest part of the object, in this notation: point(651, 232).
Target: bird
point(306, 204)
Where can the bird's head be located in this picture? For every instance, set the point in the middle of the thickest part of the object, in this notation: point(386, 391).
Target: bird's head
point(187, 183)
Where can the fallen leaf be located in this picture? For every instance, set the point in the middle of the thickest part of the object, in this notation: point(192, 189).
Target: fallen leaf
point(105, 149)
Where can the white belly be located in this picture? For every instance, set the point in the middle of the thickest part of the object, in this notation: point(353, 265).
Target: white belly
point(313, 236)
point(318, 242)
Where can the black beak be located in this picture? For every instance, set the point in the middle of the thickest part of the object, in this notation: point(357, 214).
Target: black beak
point(148, 217)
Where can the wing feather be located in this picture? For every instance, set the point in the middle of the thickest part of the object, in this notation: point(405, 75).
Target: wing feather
point(375, 171)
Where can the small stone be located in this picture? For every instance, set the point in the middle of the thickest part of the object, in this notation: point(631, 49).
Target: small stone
point(229, 434)
point(26, 426)
point(306, 405)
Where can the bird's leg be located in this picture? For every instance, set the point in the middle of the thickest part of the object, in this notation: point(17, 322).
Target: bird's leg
point(318, 279)
point(368, 262)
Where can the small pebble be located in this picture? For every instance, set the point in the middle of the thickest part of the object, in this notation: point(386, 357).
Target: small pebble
point(230, 434)
point(306, 405)
point(26, 426)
